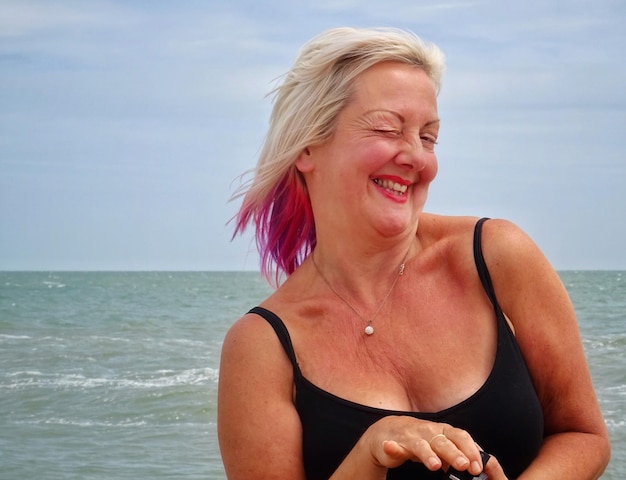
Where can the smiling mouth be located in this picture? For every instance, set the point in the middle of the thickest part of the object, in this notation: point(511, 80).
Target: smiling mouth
point(392, 187)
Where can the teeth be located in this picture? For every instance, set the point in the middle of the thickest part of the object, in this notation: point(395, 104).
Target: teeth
point(389, 185)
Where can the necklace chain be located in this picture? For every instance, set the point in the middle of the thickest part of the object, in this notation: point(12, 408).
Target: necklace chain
point(369, 329)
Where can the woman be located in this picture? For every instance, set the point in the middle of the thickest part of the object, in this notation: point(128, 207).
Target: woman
point(401, 343)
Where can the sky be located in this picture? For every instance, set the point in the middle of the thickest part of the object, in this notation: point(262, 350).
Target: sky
point(125, 125)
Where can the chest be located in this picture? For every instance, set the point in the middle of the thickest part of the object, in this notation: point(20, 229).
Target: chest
point(418, 359)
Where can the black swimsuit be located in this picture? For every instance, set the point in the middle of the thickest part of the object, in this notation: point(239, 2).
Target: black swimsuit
point(504, 416)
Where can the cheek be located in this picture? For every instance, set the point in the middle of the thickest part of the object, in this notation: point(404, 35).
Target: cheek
point(376, 155)
point(429, 172)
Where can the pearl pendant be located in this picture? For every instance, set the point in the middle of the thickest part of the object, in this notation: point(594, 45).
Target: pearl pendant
point(369, 330)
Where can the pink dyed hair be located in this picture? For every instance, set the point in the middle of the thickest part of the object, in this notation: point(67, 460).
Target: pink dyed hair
point(285, 229)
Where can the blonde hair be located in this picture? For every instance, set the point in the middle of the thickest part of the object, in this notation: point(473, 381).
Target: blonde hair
point(306, 105)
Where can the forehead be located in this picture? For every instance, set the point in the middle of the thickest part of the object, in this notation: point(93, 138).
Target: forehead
point(393, 85)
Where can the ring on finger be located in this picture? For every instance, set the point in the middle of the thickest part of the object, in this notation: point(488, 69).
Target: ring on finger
point(437, 436)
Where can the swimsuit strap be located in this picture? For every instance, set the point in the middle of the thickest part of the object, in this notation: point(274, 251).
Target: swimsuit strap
point(481, 266)
point(282, 333)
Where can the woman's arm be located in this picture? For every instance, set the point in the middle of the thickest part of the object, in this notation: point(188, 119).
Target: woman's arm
point(535, 300)
point(259, 429)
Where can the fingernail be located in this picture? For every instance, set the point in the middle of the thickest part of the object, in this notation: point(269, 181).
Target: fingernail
point(461, 462)
point(475, 467)
point(433, 462)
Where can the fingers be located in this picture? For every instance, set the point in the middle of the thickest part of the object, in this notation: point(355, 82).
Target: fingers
point(450, 446)
point(417, 451)
point(457, 448)
point(434, 444)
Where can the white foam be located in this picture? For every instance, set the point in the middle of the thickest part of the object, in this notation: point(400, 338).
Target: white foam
point(162, 379)
point(89, 423)
point(612, 424)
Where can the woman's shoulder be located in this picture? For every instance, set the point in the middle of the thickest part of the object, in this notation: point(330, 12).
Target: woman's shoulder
point(511, 255)
point(447, 227)
point(446, 230)
point(504, 245)
point(444, 225)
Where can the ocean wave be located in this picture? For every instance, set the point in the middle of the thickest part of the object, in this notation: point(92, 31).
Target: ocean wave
point(619, 389)
point(610, 342)
point(102, 338)
point(100, 341)
point(28, 373)
point(82, 423)
point(4, 336)
point(613, 425)
point(164, 379)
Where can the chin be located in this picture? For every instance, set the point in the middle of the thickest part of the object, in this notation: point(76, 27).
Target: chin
point(394, 229)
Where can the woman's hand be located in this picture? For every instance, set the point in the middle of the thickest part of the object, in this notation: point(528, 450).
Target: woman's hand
point(395, 439)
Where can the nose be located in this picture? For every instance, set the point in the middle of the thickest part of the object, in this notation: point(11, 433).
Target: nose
point(413, 155)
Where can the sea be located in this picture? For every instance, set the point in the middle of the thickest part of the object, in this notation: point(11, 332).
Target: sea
point(113, 375)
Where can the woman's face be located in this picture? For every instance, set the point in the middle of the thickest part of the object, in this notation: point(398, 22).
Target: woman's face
point(375, 170)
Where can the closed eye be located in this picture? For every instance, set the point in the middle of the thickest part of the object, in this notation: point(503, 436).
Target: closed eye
point(387, 131)
point(429, 141)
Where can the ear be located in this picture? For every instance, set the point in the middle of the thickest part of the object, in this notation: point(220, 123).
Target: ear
point(304, 162)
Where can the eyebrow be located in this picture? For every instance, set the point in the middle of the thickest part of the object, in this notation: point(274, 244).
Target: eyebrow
point(401, 117)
